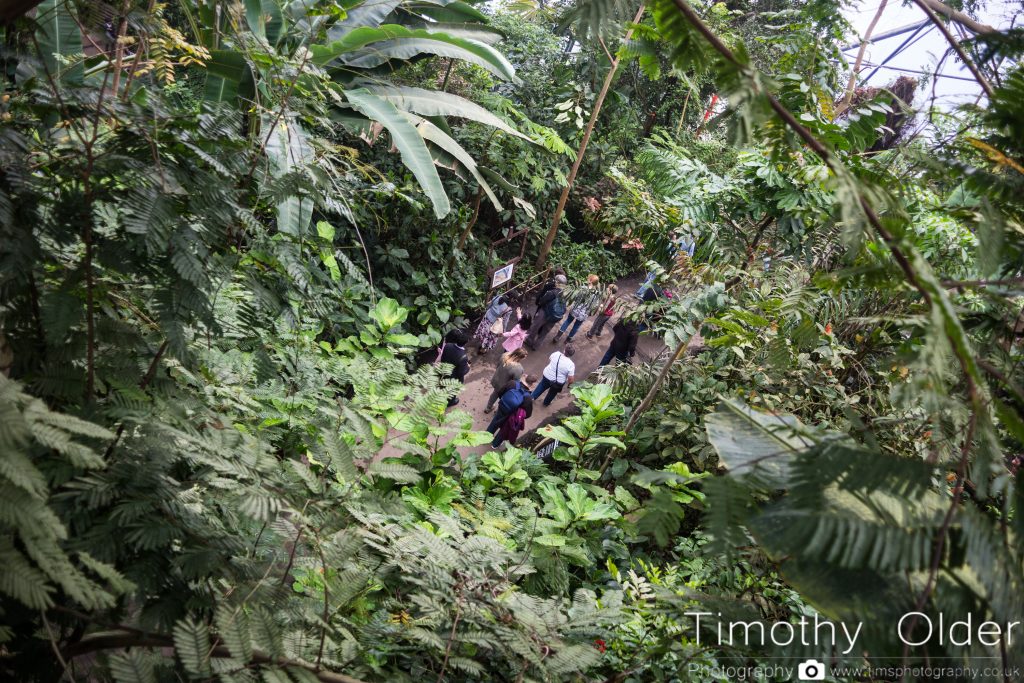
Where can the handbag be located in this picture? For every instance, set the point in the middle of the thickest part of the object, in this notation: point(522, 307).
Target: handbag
point(557, 386)
point(498, 326)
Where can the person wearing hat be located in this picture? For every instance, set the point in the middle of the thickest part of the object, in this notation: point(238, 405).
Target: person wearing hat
point(552, 307)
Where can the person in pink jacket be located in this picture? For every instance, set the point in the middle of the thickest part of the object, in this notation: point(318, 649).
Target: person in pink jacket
point(514, 338)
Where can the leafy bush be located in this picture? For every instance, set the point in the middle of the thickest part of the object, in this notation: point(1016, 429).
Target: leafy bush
point(581, 258)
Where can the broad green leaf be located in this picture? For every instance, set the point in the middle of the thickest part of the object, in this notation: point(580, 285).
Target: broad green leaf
point(325, 230)
point(410, 144)
point(59, 37)
point(457, 11)
point(224, 73)
point(388, 313)
point(403, 339)
point(482, 33)
point(367, 13)
point(255, 17)
point(368, 47)
point(559, 433)
point(434, 103)
point(551, 540)
point(435, 135)
point(288, 152)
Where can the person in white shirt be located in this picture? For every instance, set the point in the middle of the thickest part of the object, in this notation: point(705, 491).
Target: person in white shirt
point(559, 373)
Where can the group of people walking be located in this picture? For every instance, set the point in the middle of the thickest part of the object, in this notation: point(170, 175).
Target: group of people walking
point(556, 305)
point(513, 393)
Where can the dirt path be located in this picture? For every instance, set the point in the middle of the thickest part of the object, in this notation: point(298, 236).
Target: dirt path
point(588, 354)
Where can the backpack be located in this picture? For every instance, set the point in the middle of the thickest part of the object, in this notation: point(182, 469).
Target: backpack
point(548, 286)
point(512, 425)
point(555, 308)
point(513, 398)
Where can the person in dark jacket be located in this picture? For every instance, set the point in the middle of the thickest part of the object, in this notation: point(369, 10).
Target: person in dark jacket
point(549, 305)
point(623, 346)
point(453, 352)
point(548, 286)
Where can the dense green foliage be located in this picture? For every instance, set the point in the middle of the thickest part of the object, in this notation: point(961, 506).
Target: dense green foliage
point(227, 230)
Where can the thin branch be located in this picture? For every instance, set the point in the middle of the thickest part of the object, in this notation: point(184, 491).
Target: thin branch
point(291, 554)
point(327, 603)
point(652, 393)
point(143, 383)
point(122, 29)
point(65, 665)
point(1005, 282)
point(852, 83)
point(940, 540)
point(447, 74)
point(451, 638)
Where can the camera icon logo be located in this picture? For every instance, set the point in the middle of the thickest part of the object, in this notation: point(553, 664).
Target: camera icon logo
point(811, 670)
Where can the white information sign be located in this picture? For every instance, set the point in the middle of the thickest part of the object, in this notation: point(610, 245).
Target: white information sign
point(502, 275)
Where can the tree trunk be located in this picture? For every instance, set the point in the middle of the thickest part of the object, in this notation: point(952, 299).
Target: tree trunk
point(557, 218)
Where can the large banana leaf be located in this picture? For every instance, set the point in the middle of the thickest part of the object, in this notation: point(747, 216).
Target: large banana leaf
point(481, 33)
point(437, 136)
point(224, 73)
point(59, 36)
point(452, 11)
point(264, 19)
point(368, 47)
point(435, 103)
point(407, 139)
point(288, 151)
point(366, 13)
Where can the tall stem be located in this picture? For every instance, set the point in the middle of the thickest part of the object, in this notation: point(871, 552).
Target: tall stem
point(557, 218)
point(852, 83)
point(122, 28)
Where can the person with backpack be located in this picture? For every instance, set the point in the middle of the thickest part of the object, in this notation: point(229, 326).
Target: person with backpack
point(559, 373)
point(549, 284)
point(623, 346)
point(509, 370)
point(453, 352)
point(516, 421)
point(511, 400)
point(607, 310)
point(552, 305)
point(584, 303)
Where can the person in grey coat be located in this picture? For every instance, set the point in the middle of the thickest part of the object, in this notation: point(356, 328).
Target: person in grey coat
point(509, 370)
